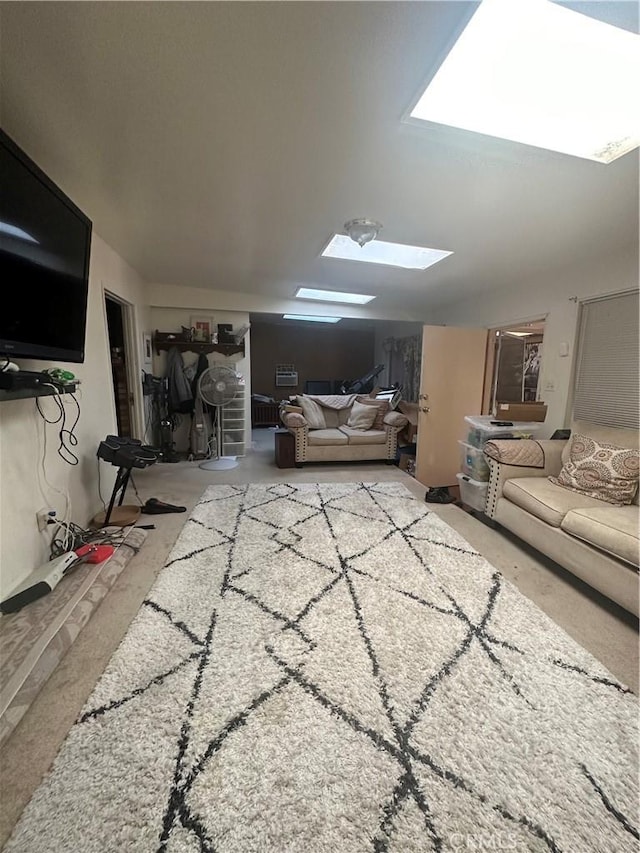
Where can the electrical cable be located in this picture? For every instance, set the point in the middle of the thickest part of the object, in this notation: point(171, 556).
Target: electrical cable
point(104, 506)
point(75, 536)
point(65, 495)
point(66, 437)
point(135, 488)
point(67, 440)
point(72, 439)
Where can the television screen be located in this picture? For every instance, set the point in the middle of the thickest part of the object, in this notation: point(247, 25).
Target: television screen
point(45, 242)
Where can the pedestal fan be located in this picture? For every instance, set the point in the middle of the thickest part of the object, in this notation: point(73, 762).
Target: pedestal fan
point(217, 387)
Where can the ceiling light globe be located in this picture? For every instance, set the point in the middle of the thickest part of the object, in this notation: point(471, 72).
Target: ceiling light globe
point(362, 231)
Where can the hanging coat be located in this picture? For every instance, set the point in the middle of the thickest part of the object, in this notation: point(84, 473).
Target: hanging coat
point(200, 433)
point(180, 395)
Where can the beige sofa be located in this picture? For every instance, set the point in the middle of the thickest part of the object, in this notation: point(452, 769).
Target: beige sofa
point(595, 540)
point(322, 432)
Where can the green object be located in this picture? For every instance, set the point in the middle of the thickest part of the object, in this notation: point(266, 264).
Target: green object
point(60, 374)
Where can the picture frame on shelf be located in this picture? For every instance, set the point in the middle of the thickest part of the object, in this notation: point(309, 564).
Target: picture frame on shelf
point(202, 328)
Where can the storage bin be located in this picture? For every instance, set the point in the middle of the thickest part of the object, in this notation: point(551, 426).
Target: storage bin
point(479, 430)
point(472, 492)
point(473, 462)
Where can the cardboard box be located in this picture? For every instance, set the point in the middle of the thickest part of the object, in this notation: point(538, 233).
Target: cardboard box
point(407, 462)
point(410, 411)
point(521, 412)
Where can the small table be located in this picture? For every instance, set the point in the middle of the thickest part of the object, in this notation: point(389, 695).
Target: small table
point(285, 449)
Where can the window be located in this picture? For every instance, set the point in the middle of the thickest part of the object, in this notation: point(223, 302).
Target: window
point(606, 384)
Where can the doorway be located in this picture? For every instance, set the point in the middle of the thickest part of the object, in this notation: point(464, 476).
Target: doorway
point(118, 353)
point(515, 357)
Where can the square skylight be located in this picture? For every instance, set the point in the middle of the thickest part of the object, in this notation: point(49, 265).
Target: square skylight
point(380, 252)
point(332, 296)
point(534, 72)
point(310, 318)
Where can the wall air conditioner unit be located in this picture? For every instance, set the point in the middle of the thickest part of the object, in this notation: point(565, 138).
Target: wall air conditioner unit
point(286, 376)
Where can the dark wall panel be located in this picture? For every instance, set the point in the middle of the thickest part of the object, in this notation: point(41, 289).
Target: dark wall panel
point(317, 353)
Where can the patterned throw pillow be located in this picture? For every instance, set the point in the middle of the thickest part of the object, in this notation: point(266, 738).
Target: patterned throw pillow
point(382, 407)
point(601, 471)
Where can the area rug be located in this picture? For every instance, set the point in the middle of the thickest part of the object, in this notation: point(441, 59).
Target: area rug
point(332, 668)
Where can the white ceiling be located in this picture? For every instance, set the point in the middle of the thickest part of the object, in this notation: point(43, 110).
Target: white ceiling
point(220, 144)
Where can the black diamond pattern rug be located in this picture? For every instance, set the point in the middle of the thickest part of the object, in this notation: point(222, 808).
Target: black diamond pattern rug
point(333, 668)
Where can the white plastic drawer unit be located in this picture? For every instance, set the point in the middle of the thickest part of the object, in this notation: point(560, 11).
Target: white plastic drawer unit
point(473, 493)
point(479, 430)
point(473, 462)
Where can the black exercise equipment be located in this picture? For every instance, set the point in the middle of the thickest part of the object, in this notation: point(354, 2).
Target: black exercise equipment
point(364, 385)
point(125, 454)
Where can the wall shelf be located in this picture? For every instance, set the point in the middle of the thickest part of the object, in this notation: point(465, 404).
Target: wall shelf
point(167, 340)
point(36, 391)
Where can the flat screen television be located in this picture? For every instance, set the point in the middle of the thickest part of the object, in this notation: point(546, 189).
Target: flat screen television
point(45, 242)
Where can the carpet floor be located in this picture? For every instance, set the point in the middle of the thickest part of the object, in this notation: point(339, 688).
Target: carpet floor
point(330, 667)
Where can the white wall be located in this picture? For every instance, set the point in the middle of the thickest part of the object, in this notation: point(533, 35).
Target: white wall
point(172, 318)
point(22, 488)
point(556, 298)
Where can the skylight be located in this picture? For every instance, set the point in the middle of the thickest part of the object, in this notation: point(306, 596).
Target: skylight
point(333, 296)
point(310, 318)
point(380, 252)
point(534, 72)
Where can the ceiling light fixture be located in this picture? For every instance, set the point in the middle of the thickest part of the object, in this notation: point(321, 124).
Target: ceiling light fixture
point(362, 231)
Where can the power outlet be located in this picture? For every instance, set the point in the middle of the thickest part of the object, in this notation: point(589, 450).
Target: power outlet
point(43, 517)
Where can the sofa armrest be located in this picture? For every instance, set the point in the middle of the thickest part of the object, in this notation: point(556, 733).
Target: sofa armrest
point(395, 419)
point(499, 472)
point(294, 420)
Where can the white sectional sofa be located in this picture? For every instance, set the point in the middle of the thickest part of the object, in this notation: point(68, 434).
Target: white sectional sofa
point(596, 540)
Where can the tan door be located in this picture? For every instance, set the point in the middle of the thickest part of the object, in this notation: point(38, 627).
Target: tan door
point(451, 386)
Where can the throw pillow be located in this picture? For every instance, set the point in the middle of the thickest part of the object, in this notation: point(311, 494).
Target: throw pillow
point(313, 413)
point(601, 471)
point(361, 417)
point(382, 407)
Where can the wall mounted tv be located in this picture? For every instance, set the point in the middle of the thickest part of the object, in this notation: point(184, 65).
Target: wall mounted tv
point(45, 241)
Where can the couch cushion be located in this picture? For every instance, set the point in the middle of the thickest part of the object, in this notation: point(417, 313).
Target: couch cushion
point(604, 471)
point(362, 417)
point(612, 529)
point(382, 407)
point(327, 436)
point(332, 418)
point(313, 412)
point(543, 499)
point(364, 436)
